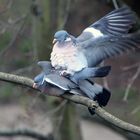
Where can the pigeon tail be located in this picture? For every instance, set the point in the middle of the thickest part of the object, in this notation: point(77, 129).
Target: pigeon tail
point(102, 71)
point(103, 97)
point(95, 92)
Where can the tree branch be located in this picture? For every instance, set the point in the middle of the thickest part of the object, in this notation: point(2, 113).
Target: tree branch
point(24, 132)
point(131, 81)
point(79, 100)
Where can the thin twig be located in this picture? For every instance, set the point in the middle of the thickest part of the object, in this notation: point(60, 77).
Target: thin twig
point(17, 20)
point(60, 106)
point(60, 119)
point(135, 110)
point(76, 99)
point(68, 6)
point(50, 113)
point(105, 82)
point(115, 4)
point(7, 7)
point(11, 23)
point(132, 80)
point(13, 39)
point(126, 68)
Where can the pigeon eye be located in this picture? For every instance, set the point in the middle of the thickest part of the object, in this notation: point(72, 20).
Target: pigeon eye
point(67, 39)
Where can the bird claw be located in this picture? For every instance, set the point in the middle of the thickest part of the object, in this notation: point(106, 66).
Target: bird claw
point(34, 85)
point(65, 73)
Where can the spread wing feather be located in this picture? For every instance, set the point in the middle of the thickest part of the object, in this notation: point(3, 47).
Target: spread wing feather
point(117, 22)
point(101, 48)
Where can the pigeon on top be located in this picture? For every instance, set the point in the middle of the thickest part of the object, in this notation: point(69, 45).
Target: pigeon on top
point(103, 39)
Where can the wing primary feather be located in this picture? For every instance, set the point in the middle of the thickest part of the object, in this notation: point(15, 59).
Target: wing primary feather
point(117, 22)
point(53, 83)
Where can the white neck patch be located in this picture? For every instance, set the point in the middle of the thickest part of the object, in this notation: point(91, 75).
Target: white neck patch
point(96, 33)
point(68, 39)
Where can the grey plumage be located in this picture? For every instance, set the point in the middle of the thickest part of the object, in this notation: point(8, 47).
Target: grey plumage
point(60, 81)
point(95, 91)
point(45, 66)
point(98, 49)
point(105, 38)
point(52, 81)
point(90, 72)
point(86, 73)
point(117, 22)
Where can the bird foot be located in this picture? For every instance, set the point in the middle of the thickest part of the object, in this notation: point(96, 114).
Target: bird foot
point(66, 73)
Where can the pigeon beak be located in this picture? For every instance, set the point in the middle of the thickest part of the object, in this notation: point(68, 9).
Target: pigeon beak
point(54, 41)
point(34, 85)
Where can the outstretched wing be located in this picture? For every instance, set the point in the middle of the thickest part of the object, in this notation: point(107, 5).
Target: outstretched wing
point(117, 22)
point(99, 49)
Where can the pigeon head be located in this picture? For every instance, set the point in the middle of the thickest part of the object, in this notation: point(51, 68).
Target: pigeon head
point(38, 80)
point(47, 87)
point(40, 83)
point(62, 36)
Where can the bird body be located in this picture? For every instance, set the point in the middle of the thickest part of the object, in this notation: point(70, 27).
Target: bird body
point(69, 57)
point(103, 39)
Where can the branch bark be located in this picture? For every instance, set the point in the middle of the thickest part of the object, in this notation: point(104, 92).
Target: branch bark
point(79, 100)
point(24, 132)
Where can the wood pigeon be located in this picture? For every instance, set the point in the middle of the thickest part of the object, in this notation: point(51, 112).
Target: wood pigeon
point(103, 39)
point(51, 82)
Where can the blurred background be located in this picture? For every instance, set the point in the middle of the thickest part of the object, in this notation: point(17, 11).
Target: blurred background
point(26, 33)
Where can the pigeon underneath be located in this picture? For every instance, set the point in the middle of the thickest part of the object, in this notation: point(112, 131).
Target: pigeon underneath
point(50, 82)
